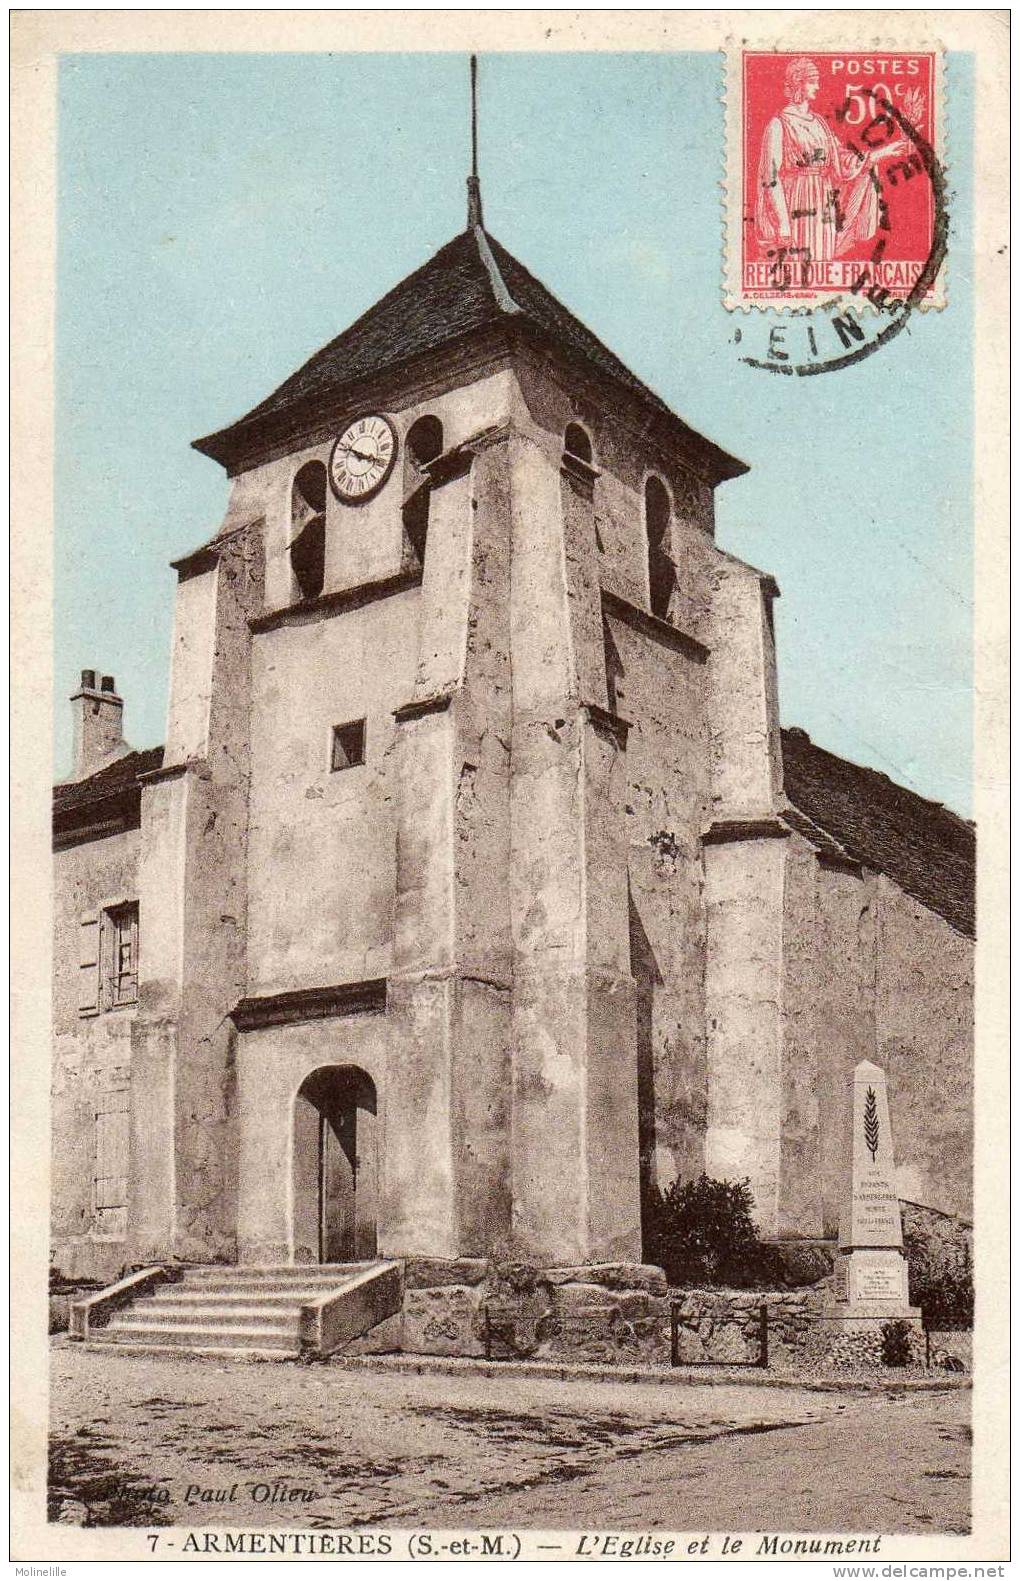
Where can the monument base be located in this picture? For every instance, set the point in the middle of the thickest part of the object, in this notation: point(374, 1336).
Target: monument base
point(851, 1341)
point(862, 1320)
point(870, 1291)
point(870, 1282)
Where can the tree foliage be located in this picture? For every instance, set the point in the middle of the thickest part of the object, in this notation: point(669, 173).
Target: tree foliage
point(941, 1281)
point(702, 1232)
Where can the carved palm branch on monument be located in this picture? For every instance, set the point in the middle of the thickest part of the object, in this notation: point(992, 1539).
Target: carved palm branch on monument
point(871, 1123)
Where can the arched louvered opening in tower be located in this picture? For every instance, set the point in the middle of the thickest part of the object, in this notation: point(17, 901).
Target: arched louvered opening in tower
point(576, 443)
point(308, 529)
point(424, 442)
point(661, 572)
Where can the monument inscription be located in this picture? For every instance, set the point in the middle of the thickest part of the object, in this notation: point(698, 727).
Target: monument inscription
point(874, 1209)
point(882, 1278)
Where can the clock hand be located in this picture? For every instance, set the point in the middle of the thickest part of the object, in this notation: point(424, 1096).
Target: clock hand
point(362, 455)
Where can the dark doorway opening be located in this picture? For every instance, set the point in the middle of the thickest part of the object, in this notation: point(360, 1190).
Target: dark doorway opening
point(335, 1167)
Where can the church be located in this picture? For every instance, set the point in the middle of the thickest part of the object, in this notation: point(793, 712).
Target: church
point(476, 887)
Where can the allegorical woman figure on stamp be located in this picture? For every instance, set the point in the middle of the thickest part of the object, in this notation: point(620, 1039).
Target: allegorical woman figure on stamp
point(815, 198)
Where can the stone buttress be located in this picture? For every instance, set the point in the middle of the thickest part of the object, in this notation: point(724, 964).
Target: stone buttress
point(511, 1081)
point(445, 1183)
point(575, 1107)
point(745, 851)
point(193, 915)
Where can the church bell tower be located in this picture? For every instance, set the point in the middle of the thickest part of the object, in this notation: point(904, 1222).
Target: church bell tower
point(427, 831)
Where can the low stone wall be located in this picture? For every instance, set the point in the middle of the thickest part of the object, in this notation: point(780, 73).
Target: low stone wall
point(60, 1312)
point(62, 1293)
point(610, 1312)
point(621, 1314)
point(725, 1325)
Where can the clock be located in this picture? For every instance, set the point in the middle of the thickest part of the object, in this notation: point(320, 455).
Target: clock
point(362, 459)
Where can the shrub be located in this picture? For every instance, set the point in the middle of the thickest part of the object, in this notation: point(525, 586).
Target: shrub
point(896, 1344)
point(941, 1281)
point(797, 1266)
point(703, 1232)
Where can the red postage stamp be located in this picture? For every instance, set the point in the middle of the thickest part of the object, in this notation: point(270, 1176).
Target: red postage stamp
point(832, 177)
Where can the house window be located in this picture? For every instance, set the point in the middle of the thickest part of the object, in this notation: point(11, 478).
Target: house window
point(123, 955)
point(308, 529)
point(108, 959)
point(661, 573)
point(577, 444)
point(424, 442)
point(111, 1163)
point(347, 749)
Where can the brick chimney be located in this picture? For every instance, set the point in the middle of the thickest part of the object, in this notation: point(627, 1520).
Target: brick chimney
point(98, 724)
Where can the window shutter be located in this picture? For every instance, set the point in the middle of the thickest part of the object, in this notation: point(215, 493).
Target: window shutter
point(88, 965)
point(112, 1144)
point(132, 990)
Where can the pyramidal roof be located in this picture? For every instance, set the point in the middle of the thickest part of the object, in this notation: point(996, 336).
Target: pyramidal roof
point(471, 284)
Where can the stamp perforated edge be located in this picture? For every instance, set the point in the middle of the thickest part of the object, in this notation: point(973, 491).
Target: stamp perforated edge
point(731, 185)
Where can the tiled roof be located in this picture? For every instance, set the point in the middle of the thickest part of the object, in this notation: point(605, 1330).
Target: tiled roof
point(471, 284)
point(822, 842)
point(922, 846)
point(117, 777)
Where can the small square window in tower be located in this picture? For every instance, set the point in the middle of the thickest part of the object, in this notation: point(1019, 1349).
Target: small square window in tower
point(347, 749)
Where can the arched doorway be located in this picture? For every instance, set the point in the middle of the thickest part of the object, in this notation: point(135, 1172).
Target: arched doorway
point(335, 1166)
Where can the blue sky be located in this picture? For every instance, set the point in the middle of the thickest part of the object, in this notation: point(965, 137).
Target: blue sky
point(222, 216)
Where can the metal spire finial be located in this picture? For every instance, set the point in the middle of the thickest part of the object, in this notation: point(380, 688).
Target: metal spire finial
point(473, 184)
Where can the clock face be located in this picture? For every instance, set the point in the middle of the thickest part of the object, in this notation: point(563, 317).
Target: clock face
point(362, 459)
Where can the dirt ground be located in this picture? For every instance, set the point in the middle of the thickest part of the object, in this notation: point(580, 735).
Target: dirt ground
point(194, 1442)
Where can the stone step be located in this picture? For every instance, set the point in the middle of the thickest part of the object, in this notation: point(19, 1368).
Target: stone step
point(166, 1347)
point(132, 1331)
point(170, 1300)
point(288, 1288)
point(211, 1314)
point(256, 1311)
point(315, 1272)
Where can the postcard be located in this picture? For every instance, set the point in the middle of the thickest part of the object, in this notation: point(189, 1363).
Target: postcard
point(509, 538)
